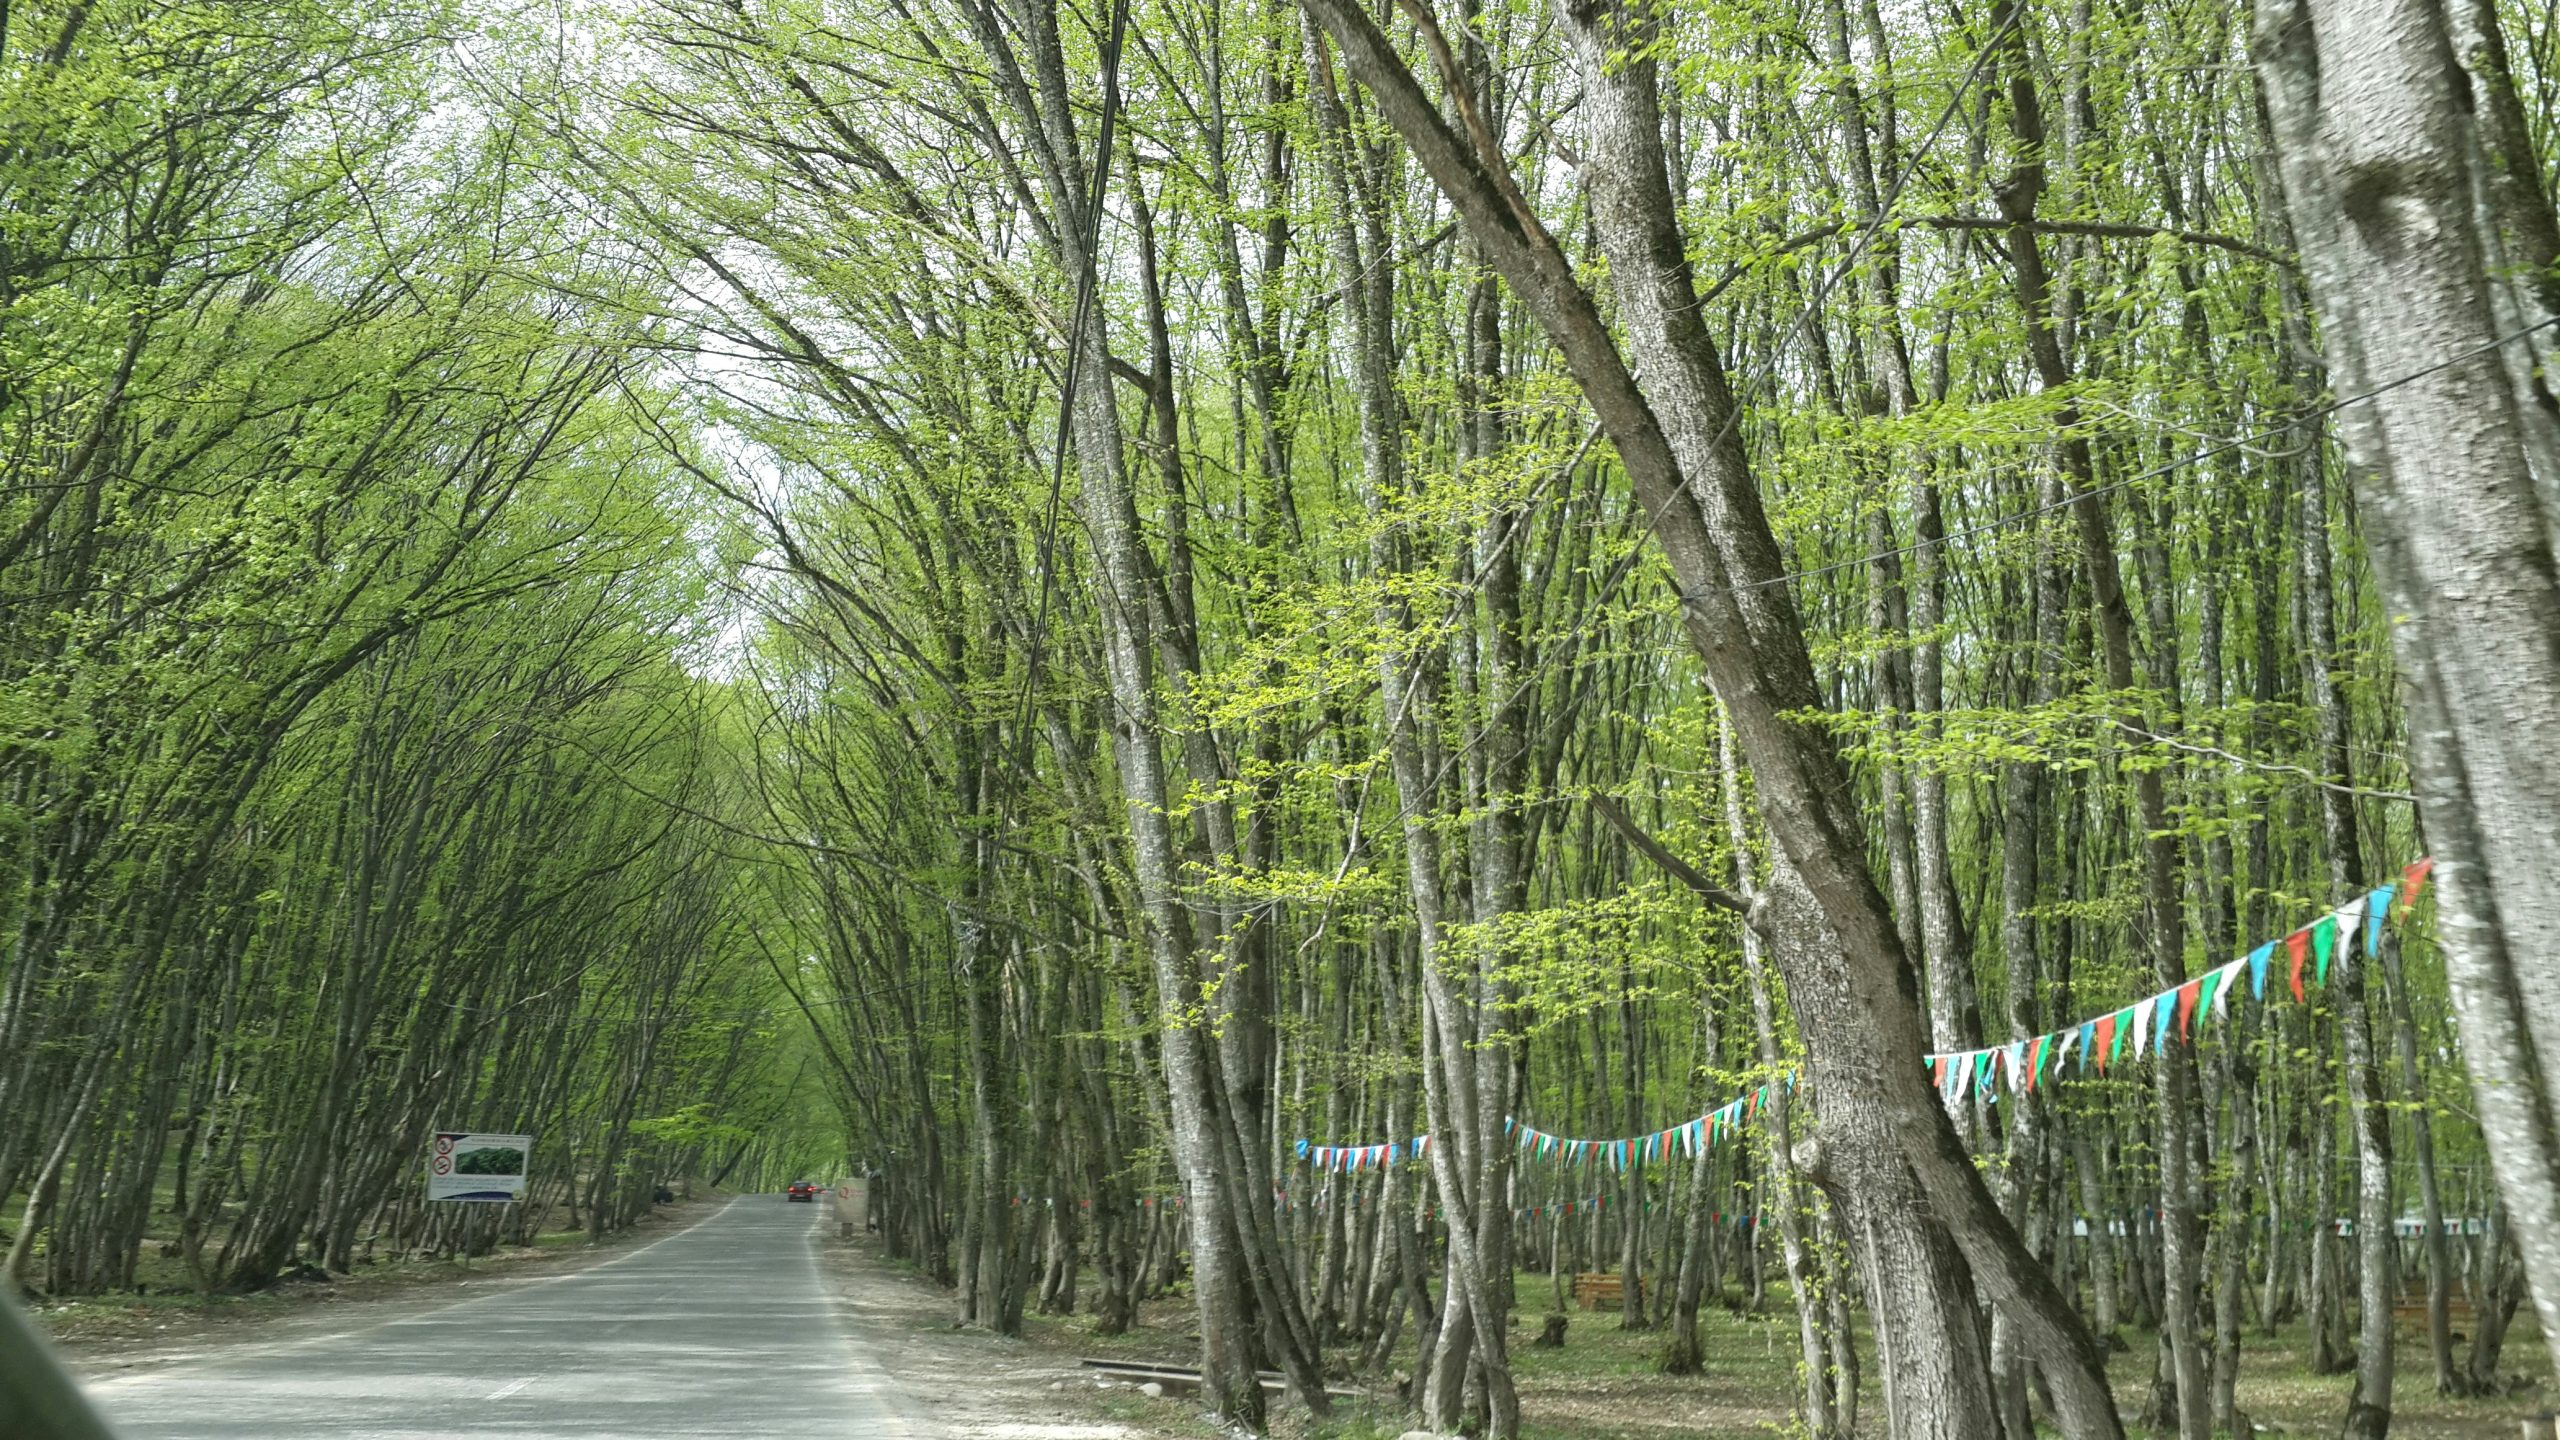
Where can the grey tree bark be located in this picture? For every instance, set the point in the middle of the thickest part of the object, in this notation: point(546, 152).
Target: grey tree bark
point(2019, 192)
point(2368, 102)
point(1467, 1155)
point(1125, 570)
point(1824, 1408)
point(2369, 1121)
point(1927, 1224)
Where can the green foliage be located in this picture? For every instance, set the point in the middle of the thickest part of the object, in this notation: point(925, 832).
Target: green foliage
point(359, 785)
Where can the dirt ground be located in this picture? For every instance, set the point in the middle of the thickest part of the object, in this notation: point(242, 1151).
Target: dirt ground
point(978, 1386)
point(969, 1385)
point(1602, 1386)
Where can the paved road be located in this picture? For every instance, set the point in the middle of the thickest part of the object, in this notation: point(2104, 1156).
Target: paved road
point(724, 1329)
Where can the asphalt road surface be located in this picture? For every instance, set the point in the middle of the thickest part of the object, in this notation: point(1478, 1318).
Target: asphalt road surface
point(722, 1329)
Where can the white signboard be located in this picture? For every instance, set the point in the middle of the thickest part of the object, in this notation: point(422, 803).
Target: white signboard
point(483, 1169)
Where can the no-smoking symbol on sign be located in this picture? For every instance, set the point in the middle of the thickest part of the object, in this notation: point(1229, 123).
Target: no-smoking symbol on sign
point(443, 1163)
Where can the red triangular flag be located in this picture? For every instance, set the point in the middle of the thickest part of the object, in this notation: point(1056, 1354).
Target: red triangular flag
point(2188, 995)
point(2298, 945)
point(2106, 1039)
point(2414, 879)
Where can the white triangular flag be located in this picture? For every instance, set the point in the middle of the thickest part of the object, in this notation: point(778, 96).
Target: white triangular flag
point(2222, 987)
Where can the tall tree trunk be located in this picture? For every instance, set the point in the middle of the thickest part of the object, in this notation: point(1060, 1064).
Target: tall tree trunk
point(1108, 507)
point(2450, 1380)
point(2019, 193)
point(1472, 1334)
point(1826, 1411)
point(2368, 107)
point(2369, 1118)
point(1921, 1210)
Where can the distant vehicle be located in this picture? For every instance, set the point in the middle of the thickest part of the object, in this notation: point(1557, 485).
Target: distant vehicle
point(802, 1190)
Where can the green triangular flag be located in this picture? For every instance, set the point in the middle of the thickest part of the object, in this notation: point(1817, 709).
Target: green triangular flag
point(2124, 1023)
point(2324, 939)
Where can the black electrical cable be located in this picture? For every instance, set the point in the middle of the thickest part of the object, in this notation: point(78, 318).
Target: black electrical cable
point(2228, 443)
point(1086, 282)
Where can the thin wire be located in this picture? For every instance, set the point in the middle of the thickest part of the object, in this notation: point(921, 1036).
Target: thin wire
point(2229, 443)
point(1571, 641)
point(1086, 283)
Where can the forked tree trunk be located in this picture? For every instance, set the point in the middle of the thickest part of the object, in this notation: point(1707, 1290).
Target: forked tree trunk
point(1121, 564)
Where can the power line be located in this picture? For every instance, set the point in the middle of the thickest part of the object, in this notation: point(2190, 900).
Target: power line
point(2218, 447)
point(1766, 371)
point(1086, 282)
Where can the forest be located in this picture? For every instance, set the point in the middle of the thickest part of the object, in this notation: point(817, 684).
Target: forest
point(1890, 669)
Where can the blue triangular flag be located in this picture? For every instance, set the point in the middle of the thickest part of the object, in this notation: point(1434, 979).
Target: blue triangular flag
point(2258, 970)
point(2377, 907)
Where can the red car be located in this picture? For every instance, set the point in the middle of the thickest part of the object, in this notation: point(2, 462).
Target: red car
point(802, 1190)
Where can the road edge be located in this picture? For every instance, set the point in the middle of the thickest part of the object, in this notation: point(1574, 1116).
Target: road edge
point(98, 1363)
point(918, 1422)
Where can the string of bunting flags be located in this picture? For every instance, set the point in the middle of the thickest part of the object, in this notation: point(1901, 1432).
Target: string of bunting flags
point(2144, 1027)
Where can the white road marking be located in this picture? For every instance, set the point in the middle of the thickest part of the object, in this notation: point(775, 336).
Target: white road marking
point(511, 1387)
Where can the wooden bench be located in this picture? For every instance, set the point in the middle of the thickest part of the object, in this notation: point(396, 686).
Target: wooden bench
point(1183, 1380)
point(1603, 1290)
point(2411, 1310)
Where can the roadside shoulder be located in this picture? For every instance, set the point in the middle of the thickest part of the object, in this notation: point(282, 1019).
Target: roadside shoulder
point(958, 1384)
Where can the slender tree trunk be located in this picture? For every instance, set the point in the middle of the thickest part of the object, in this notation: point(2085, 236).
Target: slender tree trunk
point(1471, 1335)
point(2369, 1119)
point(2173, 1072)
point(2450, 1380)
point(1829, 1387)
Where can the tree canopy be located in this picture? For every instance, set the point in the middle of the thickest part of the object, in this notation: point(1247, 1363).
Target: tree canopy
point(1198, 634)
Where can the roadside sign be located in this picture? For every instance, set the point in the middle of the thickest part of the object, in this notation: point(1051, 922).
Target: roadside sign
point(478, 1169)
